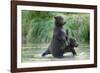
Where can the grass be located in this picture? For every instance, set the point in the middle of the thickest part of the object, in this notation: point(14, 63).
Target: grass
point(37, 26)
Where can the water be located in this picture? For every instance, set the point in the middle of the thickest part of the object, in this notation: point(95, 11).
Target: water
point(34, 54)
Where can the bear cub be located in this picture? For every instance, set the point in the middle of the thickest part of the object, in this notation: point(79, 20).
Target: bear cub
point(72, 43)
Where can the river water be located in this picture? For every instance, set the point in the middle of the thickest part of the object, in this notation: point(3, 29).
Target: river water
point(34, 54)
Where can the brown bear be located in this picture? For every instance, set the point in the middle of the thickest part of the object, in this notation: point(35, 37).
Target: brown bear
point(72, 43)
point(58, 42)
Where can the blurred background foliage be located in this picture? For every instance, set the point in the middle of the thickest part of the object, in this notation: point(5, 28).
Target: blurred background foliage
point(37, 26)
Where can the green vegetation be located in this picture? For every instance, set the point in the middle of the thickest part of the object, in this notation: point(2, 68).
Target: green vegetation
point(37, 26)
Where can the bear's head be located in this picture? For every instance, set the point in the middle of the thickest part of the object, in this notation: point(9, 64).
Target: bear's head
point(73, 42)
point(59, 21)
